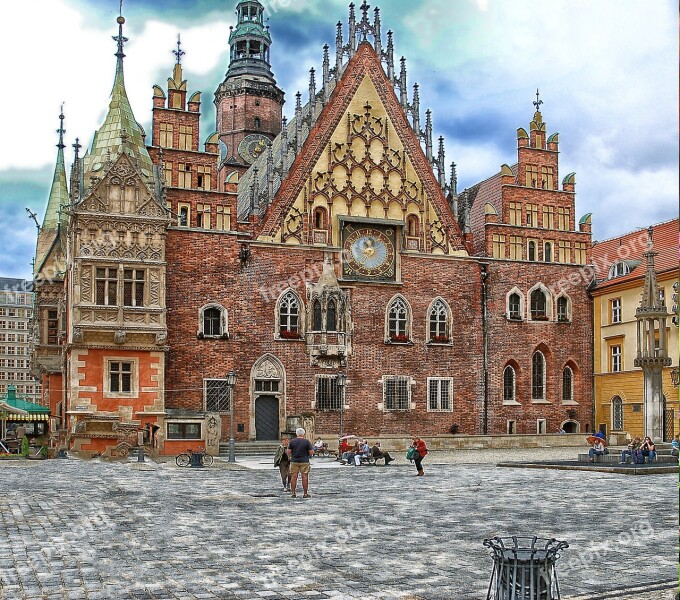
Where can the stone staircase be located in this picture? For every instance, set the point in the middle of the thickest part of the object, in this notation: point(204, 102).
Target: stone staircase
point(663, 455)
point(267, 448)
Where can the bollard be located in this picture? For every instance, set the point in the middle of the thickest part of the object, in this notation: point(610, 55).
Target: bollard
point(140, 454)
point(196, 460)
point(524, 568)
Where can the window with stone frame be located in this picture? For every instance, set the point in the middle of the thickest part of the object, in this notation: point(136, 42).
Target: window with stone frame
point(289, 316)
point(203, 177)
point(222, 218)
point(547, 180)
point(509, 384)
point(440, 394)
point(331, 316)
point(52, 327)
point(184, 215)
point(439, 320)
point(617, 413)
point(515, 213)
point(133, 287)
point(580, 253)
point(516, 247)
point(539, 305)
point(547, 252)
point(515, 307)
point(532, 176)
point(563, 309)
point(538, 376)
point(548, 217)
point(184, 431)
point(166, 131)
point(106, 280)
point(615, 358)
point(567, 385)
point(398, 320)
point(216, 395)
point(498, 246)
point(563, 218)
point(396, 392)
point(327, 393)
point(317, 316)
point(186, 137)
point(203, 216)
point(563, 254)
point(212, 321)
point(531, 250)
point(184, 175)
point(120, 377)
point(532, 215)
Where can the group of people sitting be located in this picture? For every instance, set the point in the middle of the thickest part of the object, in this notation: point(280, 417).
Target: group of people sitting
point(639, 450)
point(354, 454)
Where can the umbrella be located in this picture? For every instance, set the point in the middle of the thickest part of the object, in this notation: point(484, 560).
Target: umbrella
point(6, 409)
point(592, 439)
point(348, 437)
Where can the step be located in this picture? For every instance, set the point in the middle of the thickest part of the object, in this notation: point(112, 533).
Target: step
point(267, 448)
point(616, 458)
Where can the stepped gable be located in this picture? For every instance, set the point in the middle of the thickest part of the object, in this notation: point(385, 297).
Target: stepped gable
point(630, 248)
point(365, 63)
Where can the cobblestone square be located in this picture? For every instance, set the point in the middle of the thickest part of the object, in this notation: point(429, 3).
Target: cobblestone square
point(96, 530)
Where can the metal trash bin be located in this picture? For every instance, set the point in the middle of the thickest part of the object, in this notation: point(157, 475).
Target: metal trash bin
point(524, 568)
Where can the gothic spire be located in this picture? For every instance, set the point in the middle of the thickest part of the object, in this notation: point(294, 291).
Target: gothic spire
point(58, 198)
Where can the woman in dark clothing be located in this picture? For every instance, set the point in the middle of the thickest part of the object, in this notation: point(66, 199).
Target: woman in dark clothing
point(420, 453)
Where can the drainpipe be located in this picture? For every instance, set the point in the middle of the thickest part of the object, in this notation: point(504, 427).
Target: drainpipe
point(485, 352)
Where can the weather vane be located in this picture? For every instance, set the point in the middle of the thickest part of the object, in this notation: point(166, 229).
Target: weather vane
point(179, 53)
point(538, 102)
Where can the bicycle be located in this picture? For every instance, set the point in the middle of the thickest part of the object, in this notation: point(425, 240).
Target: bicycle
point(184, 459)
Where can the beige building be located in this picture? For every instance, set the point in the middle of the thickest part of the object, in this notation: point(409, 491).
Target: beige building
point(619, 385)
point(16, 310)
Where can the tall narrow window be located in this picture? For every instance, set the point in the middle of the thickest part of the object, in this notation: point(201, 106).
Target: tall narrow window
point(498, 246)
point(257, 122)
point(133, 287)
point(509, 384)
point(184, 175)
point(203, 177)
point(331, 316)
point(120, 377)
point(212, 322)
point(439, 394)
point(398, 320)
point(515, 307)
point(563, 218)
point(538, 376)
point(412, 226)
point(439, 323)
point(567, 385)
point(532, 176)
point(107, 286)
point(549, 217)
point(564, 252)
point(538, 305)
point(615, 360)
point(289, 316)
point(547, 252)
point(616, 310)
point(52, 327)
point(186, 137)
point(563, 309)
point(166, 135)
point(547, 181)
point(515, 247)
point(316, 316)
point(617, 413)
point(515, 213)
point(531, 250)
point(183, 218)
point(580, 253)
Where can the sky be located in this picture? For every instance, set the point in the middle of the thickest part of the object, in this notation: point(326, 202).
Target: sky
point(606, 70)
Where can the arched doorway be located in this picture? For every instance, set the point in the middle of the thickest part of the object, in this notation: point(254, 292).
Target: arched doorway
point(571, 426)
point(267, 399)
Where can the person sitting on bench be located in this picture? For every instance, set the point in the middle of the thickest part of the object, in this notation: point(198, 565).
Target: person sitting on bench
point(647, 450)
point(378, 453)
point(596, 450)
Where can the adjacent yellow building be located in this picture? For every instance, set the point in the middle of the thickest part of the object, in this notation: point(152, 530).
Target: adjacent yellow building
point(620, 268)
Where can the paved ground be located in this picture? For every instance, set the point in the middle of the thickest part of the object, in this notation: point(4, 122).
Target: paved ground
point(88, 530)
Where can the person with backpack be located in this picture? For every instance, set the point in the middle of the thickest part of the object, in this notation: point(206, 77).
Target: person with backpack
point(282, 461)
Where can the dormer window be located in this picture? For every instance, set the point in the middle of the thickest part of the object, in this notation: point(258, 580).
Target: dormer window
point(618, 269)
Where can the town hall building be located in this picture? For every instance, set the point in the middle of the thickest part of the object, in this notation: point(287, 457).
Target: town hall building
point(322, 270)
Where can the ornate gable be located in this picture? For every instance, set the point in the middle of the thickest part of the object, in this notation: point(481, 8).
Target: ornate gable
point(362, 160)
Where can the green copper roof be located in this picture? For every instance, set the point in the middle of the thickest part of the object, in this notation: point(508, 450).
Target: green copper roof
point(12, 400)
point(120, 133)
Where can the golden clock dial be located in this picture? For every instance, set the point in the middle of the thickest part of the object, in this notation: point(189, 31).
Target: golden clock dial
point(252, 146)
point(369, 252)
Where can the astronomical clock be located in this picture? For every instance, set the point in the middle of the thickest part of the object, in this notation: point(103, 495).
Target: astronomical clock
point(369, 251)
point(252, 146)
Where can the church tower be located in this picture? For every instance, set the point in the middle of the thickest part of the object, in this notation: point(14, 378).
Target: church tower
point(249, 103)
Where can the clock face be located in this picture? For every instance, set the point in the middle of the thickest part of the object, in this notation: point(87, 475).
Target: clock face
point(252, 146)
point(369, 253)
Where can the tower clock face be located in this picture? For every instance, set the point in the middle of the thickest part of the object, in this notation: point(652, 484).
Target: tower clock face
point(252, 146)
point(369, 253)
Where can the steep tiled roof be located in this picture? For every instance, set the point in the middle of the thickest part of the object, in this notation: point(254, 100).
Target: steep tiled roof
point(631, 247)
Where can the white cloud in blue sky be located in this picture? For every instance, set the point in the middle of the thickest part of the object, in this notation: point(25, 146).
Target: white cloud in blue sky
point(607, 72)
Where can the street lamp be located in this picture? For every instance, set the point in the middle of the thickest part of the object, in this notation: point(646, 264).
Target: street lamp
point(341, 379)
point(675, 377)
point(231, 382)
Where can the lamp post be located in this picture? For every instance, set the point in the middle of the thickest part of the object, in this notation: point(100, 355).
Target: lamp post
point(675, 377)
point(341, 379)
point(231, 382)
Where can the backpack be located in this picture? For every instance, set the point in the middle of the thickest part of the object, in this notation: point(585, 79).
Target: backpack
point(410, 453)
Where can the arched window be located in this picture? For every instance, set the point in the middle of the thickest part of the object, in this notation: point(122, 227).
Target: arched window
point(439, 319)
point(567, 385)
point(316, 316)
point(547, 252)
point(509, 384)
point(212, 321)
point(538, 376)
point(617, 413)
point(289, 316)
point(319, 218)
point(398, 320)
point(331, 316)
point(618, 269)
point(515, 306)
point(412, 226)
point(531, 251)
point(538, 305)
point(563, 309)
